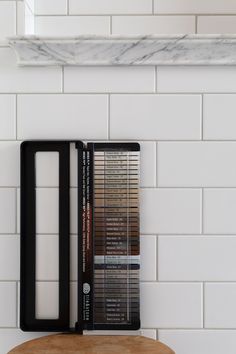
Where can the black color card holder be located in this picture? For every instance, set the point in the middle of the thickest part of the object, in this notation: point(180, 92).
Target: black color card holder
point(28, 320)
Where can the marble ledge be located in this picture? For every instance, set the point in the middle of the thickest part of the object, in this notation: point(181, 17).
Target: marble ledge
point(129, 50)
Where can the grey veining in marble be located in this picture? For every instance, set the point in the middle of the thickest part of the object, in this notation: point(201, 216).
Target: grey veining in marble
point(114, 50)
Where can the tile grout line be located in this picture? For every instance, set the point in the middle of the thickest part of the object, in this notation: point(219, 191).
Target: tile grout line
point(202, 117)
point(109, 117)
point(143, 14)
point(142, 281)
point(163, 234)
point(119, 93)
point(157, 258)
point(203, 305)
point(16, 211)
point(16, 14)
point(155, 80)
point(152, 140)
point(17, 304)
point(202, 211)
point(16, 117)
point(63, 78)
point(156, 169)
point(110, 24)
point(141, 187)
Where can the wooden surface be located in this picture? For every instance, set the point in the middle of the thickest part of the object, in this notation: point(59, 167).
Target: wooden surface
point(79, 344)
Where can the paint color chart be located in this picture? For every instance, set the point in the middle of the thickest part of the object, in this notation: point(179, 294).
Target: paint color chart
point(113, 170)
point(106, 245)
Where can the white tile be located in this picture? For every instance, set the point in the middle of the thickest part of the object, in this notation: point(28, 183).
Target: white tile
point(9, 338)
point(194, 7)
point(99, 332)
point(7, 19)
point(196, 258)
point(73, 258)
point(148, 248)
point(109, 79)
point(53, 221)
point(170, 211)
point(153, 24)
point(103, 7)
point(71, 25)
point(199, 341)
point(50, 7)
point(171, 305)
point(7, 117)
point(73, 211)
point(47, 257)
point(47, 300)
point(220, 310)
point(219, 211)
point(31, 4)
point(9, 257)
point(73, 304)
point(10, 164)
point(47, 210)
point(7, 211)
point(149, 333)
point(47, 169)
point(216, 24)
point(18, 304)
point(8, 304)
point(26, 79)
point(20, 29)
point(18, 210)
point(151, 116)
point(73, 166)
point(147, 164)
point(196, 79)
point(29, 20)
point(219, 116)
point(62, 116)
point(196, 164)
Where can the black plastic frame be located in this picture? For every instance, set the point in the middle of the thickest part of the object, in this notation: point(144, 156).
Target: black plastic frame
point(28, 322)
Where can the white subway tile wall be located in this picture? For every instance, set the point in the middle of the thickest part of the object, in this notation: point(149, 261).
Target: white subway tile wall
point(216, 24)
point(50, 7)
point(194, 7)
point(117, 79)
point(200, 341)
point(135, 25)
point(170, 210)
point(8, 117)
point(81, 7)
point(71, 17)
point(220, 309)
point(7, 19)
point(175, 305)
point(8, 312)
point(184, 119)
point(150, 117)
point(71, 25)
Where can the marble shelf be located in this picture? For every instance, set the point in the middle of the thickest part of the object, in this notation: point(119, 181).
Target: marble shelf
point(126, 50)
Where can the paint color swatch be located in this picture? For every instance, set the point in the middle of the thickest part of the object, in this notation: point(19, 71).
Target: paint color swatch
point(111, 236)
